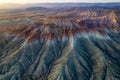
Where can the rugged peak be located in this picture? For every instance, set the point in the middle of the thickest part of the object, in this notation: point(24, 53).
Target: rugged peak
point(112, 17)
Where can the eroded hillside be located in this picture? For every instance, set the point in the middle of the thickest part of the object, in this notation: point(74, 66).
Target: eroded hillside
point(73, 45)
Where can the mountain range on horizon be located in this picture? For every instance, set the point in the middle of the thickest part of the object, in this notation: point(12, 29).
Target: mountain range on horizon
point(54, 5)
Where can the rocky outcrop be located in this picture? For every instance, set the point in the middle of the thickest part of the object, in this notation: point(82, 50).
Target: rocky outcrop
point(107, 21)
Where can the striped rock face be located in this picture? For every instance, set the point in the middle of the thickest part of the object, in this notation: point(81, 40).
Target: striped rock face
point(62, 48)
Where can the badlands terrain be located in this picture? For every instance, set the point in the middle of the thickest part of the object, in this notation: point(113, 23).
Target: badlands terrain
point(60, 43)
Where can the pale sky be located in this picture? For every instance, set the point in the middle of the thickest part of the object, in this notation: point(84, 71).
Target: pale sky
point(52, 1)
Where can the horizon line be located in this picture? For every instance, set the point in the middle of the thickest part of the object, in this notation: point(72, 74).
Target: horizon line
point(58, 2)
